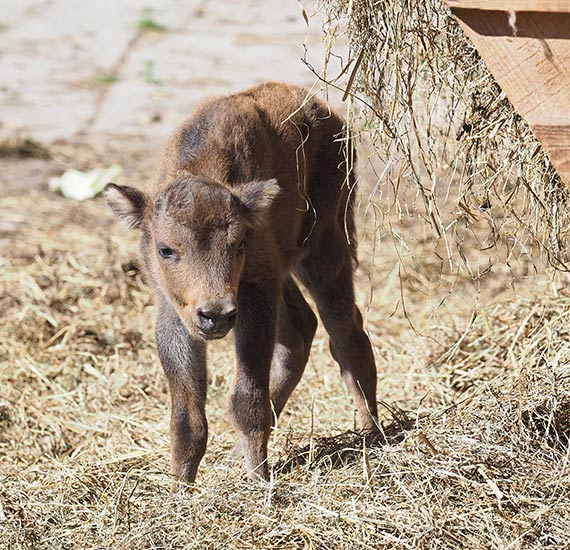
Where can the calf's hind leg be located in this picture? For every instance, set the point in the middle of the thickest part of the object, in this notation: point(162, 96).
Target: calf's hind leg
point(295, 332)
point(327, 273)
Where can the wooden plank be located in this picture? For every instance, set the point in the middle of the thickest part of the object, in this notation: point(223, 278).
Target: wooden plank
point(554, 6)
point(556, 140)
point(529, 56)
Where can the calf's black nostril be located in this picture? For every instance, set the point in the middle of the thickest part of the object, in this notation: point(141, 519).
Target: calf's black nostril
point(207, 319)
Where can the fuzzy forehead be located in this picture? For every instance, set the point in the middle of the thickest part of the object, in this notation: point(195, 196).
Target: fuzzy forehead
point(200, 205)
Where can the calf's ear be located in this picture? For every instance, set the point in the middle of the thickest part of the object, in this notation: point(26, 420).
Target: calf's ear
point(257, 197)
point(128, 204)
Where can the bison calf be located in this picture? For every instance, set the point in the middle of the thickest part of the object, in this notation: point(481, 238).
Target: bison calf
point(252, 191)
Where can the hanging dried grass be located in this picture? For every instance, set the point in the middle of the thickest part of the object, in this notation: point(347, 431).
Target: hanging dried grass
point(444, 143)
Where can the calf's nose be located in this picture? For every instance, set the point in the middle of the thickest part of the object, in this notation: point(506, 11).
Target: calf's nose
point(216, 317)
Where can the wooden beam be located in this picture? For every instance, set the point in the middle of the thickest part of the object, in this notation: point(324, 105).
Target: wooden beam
point(528, 53)
point(544, 6)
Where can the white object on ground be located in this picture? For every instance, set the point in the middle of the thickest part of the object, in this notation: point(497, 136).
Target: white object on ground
point(77, 185)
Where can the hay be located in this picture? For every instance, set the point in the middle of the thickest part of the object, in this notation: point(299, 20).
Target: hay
point(474, 450)
point(444, 143)
point(23, 147)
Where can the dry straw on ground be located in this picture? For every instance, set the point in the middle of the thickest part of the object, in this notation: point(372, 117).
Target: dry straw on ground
point(474, 448)
point(479, 458)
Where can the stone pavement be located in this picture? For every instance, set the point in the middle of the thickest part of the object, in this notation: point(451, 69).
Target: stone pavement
point(87, 70)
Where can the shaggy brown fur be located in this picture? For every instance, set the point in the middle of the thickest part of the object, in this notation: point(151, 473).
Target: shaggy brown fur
point(252, 190)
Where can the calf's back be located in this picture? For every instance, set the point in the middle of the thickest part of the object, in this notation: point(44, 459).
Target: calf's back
point(273, 130)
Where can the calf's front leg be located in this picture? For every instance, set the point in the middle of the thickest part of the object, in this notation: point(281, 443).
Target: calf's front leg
point(250, 406)
point(183, 359)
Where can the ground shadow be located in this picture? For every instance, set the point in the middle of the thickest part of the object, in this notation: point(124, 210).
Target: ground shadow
point(345, 448)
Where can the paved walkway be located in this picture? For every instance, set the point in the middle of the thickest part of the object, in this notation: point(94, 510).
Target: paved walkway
point(78, 69)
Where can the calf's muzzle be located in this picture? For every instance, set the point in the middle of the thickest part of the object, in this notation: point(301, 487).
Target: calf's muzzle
point(217, 317)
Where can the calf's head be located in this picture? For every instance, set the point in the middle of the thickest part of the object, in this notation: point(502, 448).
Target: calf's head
point(194, 241)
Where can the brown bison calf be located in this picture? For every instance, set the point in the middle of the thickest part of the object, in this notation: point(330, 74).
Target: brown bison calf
point(252, 190)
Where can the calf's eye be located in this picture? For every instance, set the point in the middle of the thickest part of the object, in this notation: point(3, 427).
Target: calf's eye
point(165, 252)
point(241, 247)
